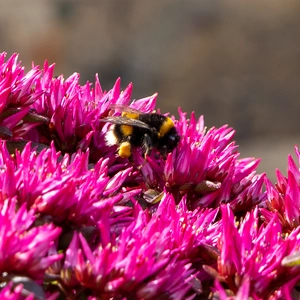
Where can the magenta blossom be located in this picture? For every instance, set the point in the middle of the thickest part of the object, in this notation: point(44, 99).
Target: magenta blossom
point(75, 111)
point(19, 292)
point(17, 93)
point(284, 197)
point(139, 262)
point(205, 167)
point(79, 221)
point(255, 253)
point(16, 293)
point(242, 293)
point(23, 248)
point(62, 188)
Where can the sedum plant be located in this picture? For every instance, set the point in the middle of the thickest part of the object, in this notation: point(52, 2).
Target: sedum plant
point(79, 222)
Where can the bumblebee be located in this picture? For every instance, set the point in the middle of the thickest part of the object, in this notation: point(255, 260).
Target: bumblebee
point(135, 129)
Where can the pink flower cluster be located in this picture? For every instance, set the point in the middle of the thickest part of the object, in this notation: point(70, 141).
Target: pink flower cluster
point(79, 222)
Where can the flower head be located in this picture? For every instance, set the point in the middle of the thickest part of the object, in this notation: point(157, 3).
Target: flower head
point(64, 189)
point(17, 94)
point(147, 259)
point(173, 226)
point(205, 167)
point(23, 248)
point(254, 253)
point(284, 197)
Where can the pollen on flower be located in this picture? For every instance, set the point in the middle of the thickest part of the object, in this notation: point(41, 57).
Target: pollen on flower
point(51, 126)
point(258, 258)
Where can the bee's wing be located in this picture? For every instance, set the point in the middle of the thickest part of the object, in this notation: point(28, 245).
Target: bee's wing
point(126, 121)
point(125, 108)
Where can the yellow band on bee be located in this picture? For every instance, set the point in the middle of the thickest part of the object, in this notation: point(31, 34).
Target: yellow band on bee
point(130, 115)
point(126, 129)
point(165, 127)
point(125, 150)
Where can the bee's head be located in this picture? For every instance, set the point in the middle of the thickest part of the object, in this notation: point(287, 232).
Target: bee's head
point(172, 139)
point(169, 142)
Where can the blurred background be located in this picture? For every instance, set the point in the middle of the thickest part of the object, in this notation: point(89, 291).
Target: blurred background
point(236, 62)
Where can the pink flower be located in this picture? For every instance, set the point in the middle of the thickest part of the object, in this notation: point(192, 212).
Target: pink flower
point(15, 293)
point(75, 111)
point(242, 293)
point(205, 167)
point(284, 197)
point(17, 93)
point(150, 257)
point(23, 248)
point(86, 223)
point(65, 190)
point(254, 253)
point(24, 289)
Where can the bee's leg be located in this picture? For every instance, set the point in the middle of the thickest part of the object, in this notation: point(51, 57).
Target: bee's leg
point(125, 149)
point(163, 151)
point(147, 144)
